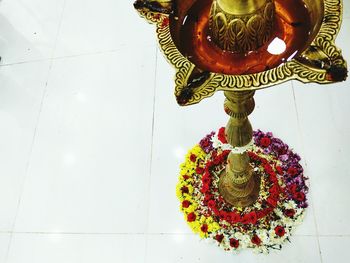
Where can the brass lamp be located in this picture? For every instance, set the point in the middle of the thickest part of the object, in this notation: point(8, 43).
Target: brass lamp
point(240, 46)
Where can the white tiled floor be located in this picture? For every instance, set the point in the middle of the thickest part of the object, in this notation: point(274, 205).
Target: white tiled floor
point(84, 93)
point(29, 29)
point(4, 244)
point(71, 248)
point(21, 92)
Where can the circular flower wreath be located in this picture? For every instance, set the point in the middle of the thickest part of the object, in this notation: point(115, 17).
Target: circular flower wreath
point(264, 225)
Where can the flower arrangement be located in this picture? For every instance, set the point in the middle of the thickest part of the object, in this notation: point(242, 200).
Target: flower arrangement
point(262, 226)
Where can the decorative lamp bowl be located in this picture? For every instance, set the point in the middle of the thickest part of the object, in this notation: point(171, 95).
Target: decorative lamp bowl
point(300, 45)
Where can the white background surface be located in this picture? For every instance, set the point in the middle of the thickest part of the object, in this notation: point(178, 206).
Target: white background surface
point(91, 139)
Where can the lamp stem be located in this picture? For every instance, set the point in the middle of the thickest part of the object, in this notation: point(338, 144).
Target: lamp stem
point(238, 185)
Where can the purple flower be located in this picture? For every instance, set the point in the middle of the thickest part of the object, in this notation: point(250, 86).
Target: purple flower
point(206, 144)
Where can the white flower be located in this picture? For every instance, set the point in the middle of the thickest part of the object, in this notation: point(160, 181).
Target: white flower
point(290, 205)
point(216, 142)
point(263, 235)
point(244, 240)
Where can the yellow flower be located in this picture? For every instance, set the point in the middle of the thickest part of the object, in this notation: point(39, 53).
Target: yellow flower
point(190, 209)
point(188, 168)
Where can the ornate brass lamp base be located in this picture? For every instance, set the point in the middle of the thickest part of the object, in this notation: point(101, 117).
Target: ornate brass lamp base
point(241, 195)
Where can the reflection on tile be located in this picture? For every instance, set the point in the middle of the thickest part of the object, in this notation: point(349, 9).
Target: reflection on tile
point(28, 29)
point(56, 248)
point(95, 26)
point(334, 249)
point(21, 92)
point(90, 164)
point(186, 248)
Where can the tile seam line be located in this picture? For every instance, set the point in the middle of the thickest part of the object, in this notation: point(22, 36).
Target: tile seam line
point(93, 53)
point(23, 180)
point(151, 152)
point(305, 156)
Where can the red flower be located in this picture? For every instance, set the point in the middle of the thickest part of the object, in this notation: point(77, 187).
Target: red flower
point(204, 228)
point(230, 217)
point(289, 212)
point(219, 238)
point(186, 177)
point(274, 191)
point(293, 188)
point(186, 203)
point(280, 231)
point(299, 196)
point(253, 156)
point(226, 152)
point(193, 157)
point(273, 178)
point(263, 161)
point(205, 143)
point(222, 214)
point(236, 218)
point(234, 243)
point(208, 197)
point(250, 218)
point(292, 171)
point(199, 170)
point(268, 169)
point(256, 240)
point(206, 179)
point(272, 201)
point(211, 204)
point(205, 188)
point(222, 135)
point(184, 190)
point(265, 141)
point(191, 217)
point(279, 169)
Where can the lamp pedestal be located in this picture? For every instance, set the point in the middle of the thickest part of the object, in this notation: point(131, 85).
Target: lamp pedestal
point(238, 185)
